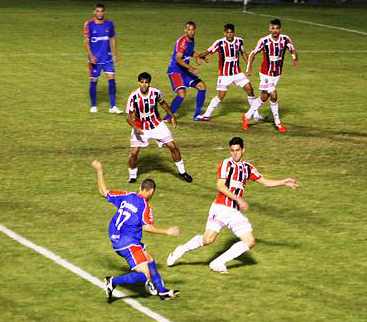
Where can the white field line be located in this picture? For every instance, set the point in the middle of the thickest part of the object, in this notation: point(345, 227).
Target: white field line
point(83, 274)
point(311, 23)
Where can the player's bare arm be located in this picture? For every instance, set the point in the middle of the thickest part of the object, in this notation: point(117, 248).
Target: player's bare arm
point(167, 109)
point(251, 59)
point(89, 51)
point(115, 55)
point(170, 231)
point(130, 121)
point(295, 58)
point(288, 182)
point(221, 187)
point(180, 61)
point(97, 166)
point(244, 56)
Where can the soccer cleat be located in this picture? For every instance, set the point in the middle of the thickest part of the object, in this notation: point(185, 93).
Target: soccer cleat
point(281, 128)
point(93, 109)
point(217, 267)
point(170, 294)
point(186, 177)
point(109, 287)
point(115, 110)
point(245, 123)
point(175, 255)
point(131, 180)
point(202, 118)
point(150, 288)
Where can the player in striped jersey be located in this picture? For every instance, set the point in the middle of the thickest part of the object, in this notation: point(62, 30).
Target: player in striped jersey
point(143, 103)
point(229, 50)
point(233, 174)
point(273, 47)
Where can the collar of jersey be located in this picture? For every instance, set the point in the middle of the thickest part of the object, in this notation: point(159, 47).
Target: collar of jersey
point(144, 95)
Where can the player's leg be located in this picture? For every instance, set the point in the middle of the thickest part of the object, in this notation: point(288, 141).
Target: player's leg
point(275, 111)
point(200, 97)
point(133, 164)
point(253, 111)
point(94, 73)
point(176, 156)
point(179, 88)
point(110, 75)
point(221, 94)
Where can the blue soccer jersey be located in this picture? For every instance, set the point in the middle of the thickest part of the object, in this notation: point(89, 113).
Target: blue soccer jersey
point(99, 39)
point(126, 225)
point(185, 46)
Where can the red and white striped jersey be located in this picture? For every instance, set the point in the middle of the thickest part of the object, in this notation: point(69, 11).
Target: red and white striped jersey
point(273, 53)
point(145, 107)
point(236, 175)
point(229, 53)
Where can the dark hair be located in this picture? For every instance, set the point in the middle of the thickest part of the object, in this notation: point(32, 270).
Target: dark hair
point(236, 140)
point(146, 76)
point(229, 26)
point(99, 5)
point(148, 184)
point(191, 23)
point(275, 22)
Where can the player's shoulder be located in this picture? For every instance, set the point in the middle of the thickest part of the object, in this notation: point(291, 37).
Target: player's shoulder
point(88, 22)
point(284, 37)
point(226, 161)
point(117, 193)
point(182, 39)
point(238, 39)
point(134, 92)
point(154, 89)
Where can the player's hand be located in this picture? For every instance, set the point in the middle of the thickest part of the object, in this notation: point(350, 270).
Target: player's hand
point(249, 72)
point(291, 183)
point(242, 204)
point(116, 59)
point(206, 59)
point(174, 122)
point(93, 59)
point(199, 60)
point(194, 70)
point(173, 231)
point(295, 63)
point(138, 130)
point(97, 165)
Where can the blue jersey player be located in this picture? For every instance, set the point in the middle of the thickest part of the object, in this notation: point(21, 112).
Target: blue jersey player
point(125, 231)
point(182, 74)
point(100, 44)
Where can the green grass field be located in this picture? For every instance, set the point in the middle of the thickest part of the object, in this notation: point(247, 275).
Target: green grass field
point(310, 260)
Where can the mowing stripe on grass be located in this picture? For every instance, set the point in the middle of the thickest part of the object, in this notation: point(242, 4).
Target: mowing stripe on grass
point(78, 271)
point(310, 23)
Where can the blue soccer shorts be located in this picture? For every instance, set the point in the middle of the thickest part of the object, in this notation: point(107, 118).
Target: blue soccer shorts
point(183, 80)
point(95, 69)
point(134, 255)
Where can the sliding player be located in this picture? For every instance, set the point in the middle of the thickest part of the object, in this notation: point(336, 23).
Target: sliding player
point(233, 174)
point(125, 230)
point(273, 47)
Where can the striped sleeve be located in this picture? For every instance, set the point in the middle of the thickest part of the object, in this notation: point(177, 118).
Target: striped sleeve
point(130, 104)
point(214, 47)
point(242, 46)
point(290, 45)
point(86, 30)
point(254, 174)
point(223, 169)
point(259, 46)
point(159, 95)
point(147, 218)
point(181, 45)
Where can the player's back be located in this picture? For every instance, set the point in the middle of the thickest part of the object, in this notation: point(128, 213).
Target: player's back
point(185, 46)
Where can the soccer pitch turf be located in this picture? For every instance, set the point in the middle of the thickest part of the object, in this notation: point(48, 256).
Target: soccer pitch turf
point(310, 260)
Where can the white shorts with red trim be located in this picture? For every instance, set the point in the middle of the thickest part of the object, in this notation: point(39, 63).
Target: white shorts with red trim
point(268, 83)
point(161, 134)
point(224, 81)
point(222, 216)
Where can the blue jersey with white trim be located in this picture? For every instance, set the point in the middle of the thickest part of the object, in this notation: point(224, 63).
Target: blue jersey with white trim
point(99, 39)
point(133, 212)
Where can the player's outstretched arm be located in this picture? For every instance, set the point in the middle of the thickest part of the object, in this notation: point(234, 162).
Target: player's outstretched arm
point(97, 166)
point(288, 182)
point(171, 231)
point(167, 109)
point(221, 186)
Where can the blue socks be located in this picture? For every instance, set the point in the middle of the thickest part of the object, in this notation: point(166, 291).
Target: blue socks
point(112, 91)
point(132, 278)
point(176, 103)
point(156, 278)
point(200, 99)
point(93, 93)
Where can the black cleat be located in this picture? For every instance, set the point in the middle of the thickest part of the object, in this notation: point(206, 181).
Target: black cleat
point(170, 294)
point(186, 177)
point(109, 287)
point(132, 180)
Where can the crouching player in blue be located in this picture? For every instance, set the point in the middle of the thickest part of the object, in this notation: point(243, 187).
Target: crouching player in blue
point(125, 230)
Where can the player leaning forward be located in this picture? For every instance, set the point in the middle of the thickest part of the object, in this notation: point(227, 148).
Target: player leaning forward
point(273, 47)
point(143, 103)
point(233, 174)
point(134, 216)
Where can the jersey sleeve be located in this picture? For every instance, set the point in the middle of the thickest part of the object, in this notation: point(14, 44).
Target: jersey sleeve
point(130, 109)
point(259, 46)
point(114, 196)
point(254, 174)
point(147, 217)
point(223, 170)
point(242, 46)
point(86, 30)
point(159, 96)
point(290, 45)
point(214, 47)
point(112, 30)
point(181, 45)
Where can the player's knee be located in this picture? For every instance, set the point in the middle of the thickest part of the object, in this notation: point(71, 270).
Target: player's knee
point(207, 240)
point(181, 94)
point(201, 86)
point(251, 243)
point(222, 95)
point(264, 96)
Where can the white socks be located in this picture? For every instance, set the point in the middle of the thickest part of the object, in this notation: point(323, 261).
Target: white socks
point(180, 166)
point(193, 243)
point(251, 99)
point(256, 103)
point(213, 104)
point(274, 109)
point(133, 173)
point(234, 251)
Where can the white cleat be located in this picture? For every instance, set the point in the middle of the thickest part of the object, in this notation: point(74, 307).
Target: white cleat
point(175, 255)
point(115, 110)
point(217, 267)
point(93, 109)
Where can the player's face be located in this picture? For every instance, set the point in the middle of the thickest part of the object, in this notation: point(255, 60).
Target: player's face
point(229, 34)
point(275, 30)
point(144, 85)
point(190, 31)
point(236, 152)
point(99, 13)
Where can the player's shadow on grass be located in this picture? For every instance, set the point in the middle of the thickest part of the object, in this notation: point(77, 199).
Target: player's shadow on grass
point(149, 163)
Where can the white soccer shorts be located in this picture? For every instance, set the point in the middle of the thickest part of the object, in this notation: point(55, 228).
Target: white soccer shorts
point(224, 81)
point(161, 134)
point(268, 83)
point(222, 216)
